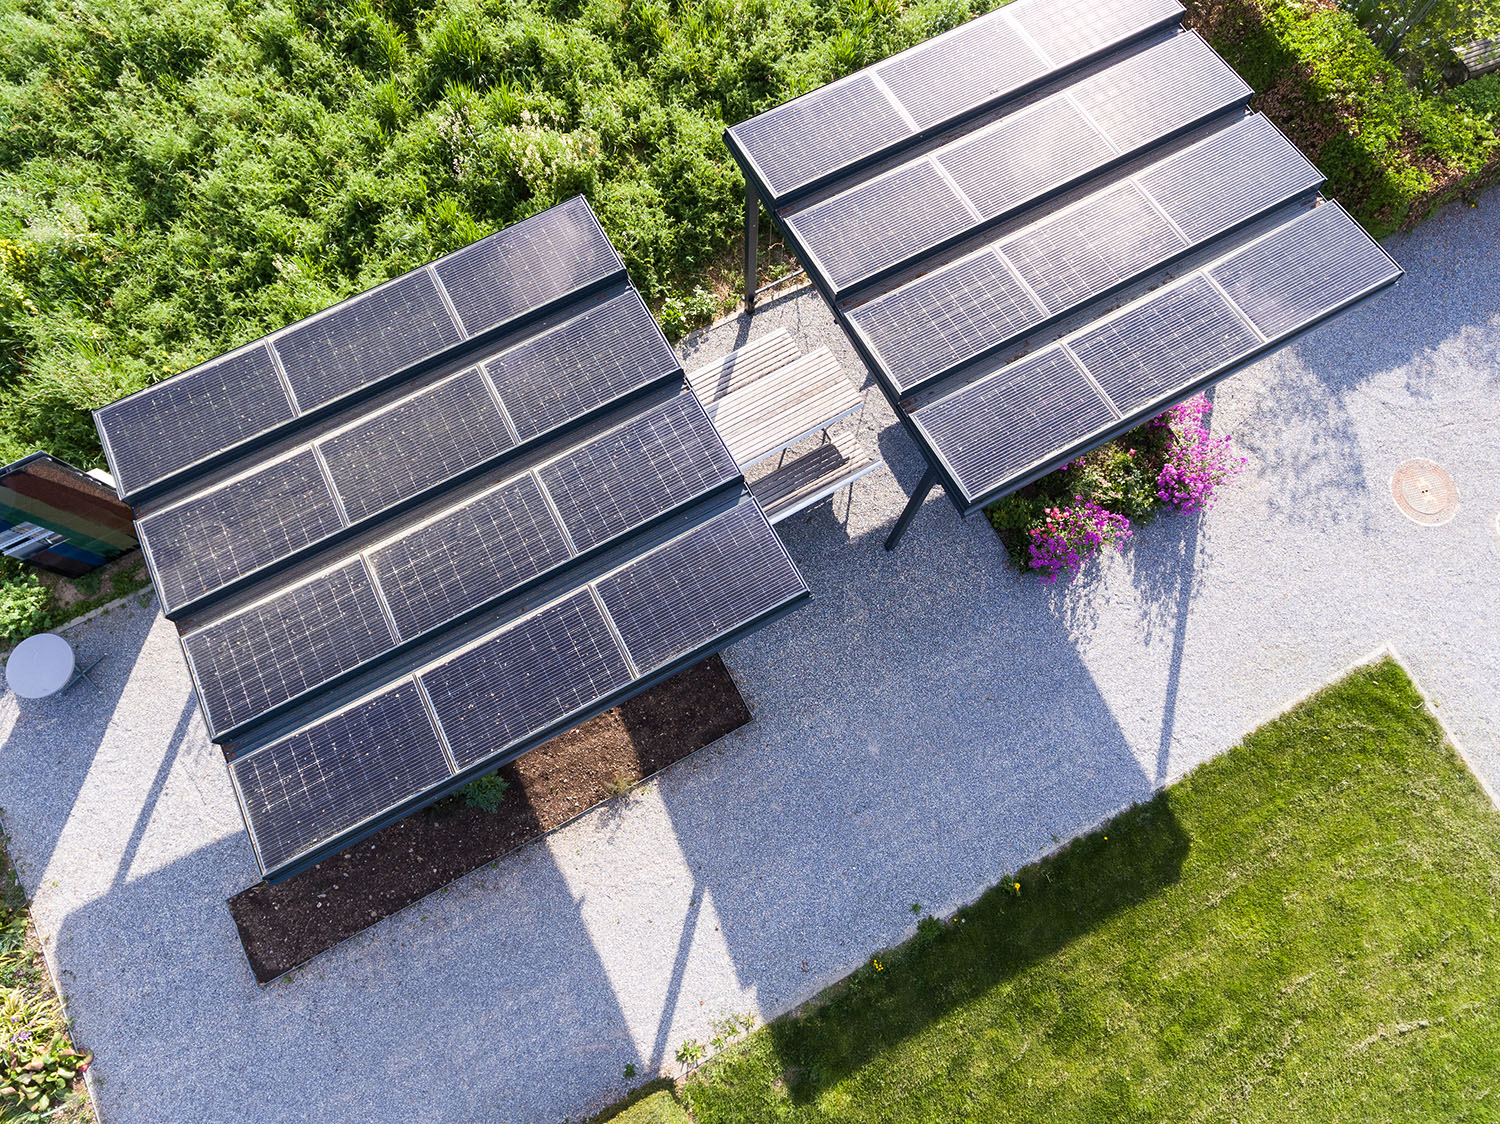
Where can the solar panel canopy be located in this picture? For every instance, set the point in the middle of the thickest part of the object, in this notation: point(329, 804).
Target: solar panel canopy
point(1049, 224)
point(407, 539)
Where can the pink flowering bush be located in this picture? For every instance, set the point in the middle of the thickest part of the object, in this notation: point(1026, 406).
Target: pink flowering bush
point(1198, 463)
point(1056, 524)
point(1069, 535)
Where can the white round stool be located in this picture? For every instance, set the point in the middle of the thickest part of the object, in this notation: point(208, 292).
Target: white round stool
point(39, 666)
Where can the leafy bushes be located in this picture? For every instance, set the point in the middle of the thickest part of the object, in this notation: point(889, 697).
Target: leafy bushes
point(1390, 154)
point(486, 792)
point(25, 603)
point(177, 178)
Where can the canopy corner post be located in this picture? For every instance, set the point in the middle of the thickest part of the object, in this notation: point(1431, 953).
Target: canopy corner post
point(913, 505)
point(752, 242)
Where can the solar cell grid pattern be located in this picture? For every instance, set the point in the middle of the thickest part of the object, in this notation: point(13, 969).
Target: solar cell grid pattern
point(1024, 156)
point(880, 222)
point(796, 143)
point(1069, 30)
point(995, 429)
point(1303, 270)
point(416, 444)
point(194, 415)
point(1163, 345)
point(527, 265)
point(488, 546)
point(580, 364)
point(1231, 176)
point(661, 459)
point(977, 62)
point(946, 317)
point(366, 338)
point(315, 785)
point(526, 677)
point(1155, 93)
point(721, 575)
point(272, 652)
point(206, 542)
point(1085, 250)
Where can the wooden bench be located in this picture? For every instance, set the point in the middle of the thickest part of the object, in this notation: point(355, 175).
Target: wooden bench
point(1479, 57)
point(767, 397)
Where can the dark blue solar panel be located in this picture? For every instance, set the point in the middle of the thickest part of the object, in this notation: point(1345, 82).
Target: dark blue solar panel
point(489, 545)
point(192, 416)
point(881, 221)
point(996, 429)
point(526, 677)
point(321, 782)
point(579, 365)
point(1069, 30)
point(416, 444)
point(525, 266)
point(661, 459)
point(365, 339)
point(206, 542)
point(1161, 347)
point(278, 649)
point(1236, 173)
point(973, 64)
point(945, 317)
point(695, 589)
point(796, 143)
point(1304, 270)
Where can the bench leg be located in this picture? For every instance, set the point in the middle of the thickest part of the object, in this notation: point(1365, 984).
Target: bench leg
point(913, 505)
point(752, 243)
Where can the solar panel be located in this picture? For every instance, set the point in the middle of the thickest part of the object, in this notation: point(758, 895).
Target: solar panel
point(417, 443)
point(1304, 270)
point(525, 266)
point(658, 461)
point(365, 339)
point(489, 545)
point(998, 427)
point(190, 417)
point(1086, 250)
point(582, 363)
point(1163, 345)
point(1070, 30)
point(530, 675)
point(808, 137)
point(1205, 189)
point(1157, 92)
point(280, 648)
point(1031, 152)
point(950, 315)
point(724, 574)
point(880, 222)
point(321, 782)
point(201, 545)
point(972, 64)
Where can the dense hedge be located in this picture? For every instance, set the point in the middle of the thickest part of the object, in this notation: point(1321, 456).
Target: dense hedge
point(178, 177)
point(1390, 154)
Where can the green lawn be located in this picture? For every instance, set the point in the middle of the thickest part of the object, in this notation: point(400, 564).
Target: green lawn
point(1305, 929)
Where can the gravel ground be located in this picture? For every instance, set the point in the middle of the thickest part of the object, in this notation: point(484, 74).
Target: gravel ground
point(931, 721)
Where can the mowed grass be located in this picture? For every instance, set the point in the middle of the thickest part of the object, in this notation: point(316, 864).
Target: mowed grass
point(1305, 929)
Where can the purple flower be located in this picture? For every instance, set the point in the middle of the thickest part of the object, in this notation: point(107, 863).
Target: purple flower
point(1069, 536)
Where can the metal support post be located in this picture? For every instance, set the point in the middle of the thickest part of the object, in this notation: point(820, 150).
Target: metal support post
point(913, 505)
point(752, 243)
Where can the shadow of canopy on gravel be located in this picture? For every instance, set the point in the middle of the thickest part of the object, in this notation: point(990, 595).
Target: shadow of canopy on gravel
point(1060, 898)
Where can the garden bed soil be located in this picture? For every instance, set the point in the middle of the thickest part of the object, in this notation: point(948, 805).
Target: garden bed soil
point(285, 925)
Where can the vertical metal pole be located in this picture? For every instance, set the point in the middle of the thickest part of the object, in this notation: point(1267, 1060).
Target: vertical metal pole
point(913, 505)
point(752, 242)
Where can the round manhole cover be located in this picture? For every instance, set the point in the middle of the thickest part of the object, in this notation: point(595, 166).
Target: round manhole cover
point(1424, 492)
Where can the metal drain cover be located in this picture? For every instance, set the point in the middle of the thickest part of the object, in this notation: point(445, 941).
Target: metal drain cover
point(1425, 493)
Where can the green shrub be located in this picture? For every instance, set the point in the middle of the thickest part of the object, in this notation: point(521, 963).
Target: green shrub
point(486, 792)
point(25, 603)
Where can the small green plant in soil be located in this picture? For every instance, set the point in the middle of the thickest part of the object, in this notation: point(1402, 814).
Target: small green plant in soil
point(486, 792)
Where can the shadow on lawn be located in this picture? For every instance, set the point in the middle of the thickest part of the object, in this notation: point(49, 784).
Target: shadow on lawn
point(1061, 898)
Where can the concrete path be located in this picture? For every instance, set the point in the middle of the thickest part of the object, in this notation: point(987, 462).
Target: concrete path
point(930, 722)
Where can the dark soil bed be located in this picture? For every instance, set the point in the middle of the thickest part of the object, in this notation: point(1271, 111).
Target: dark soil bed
point(284, 925)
